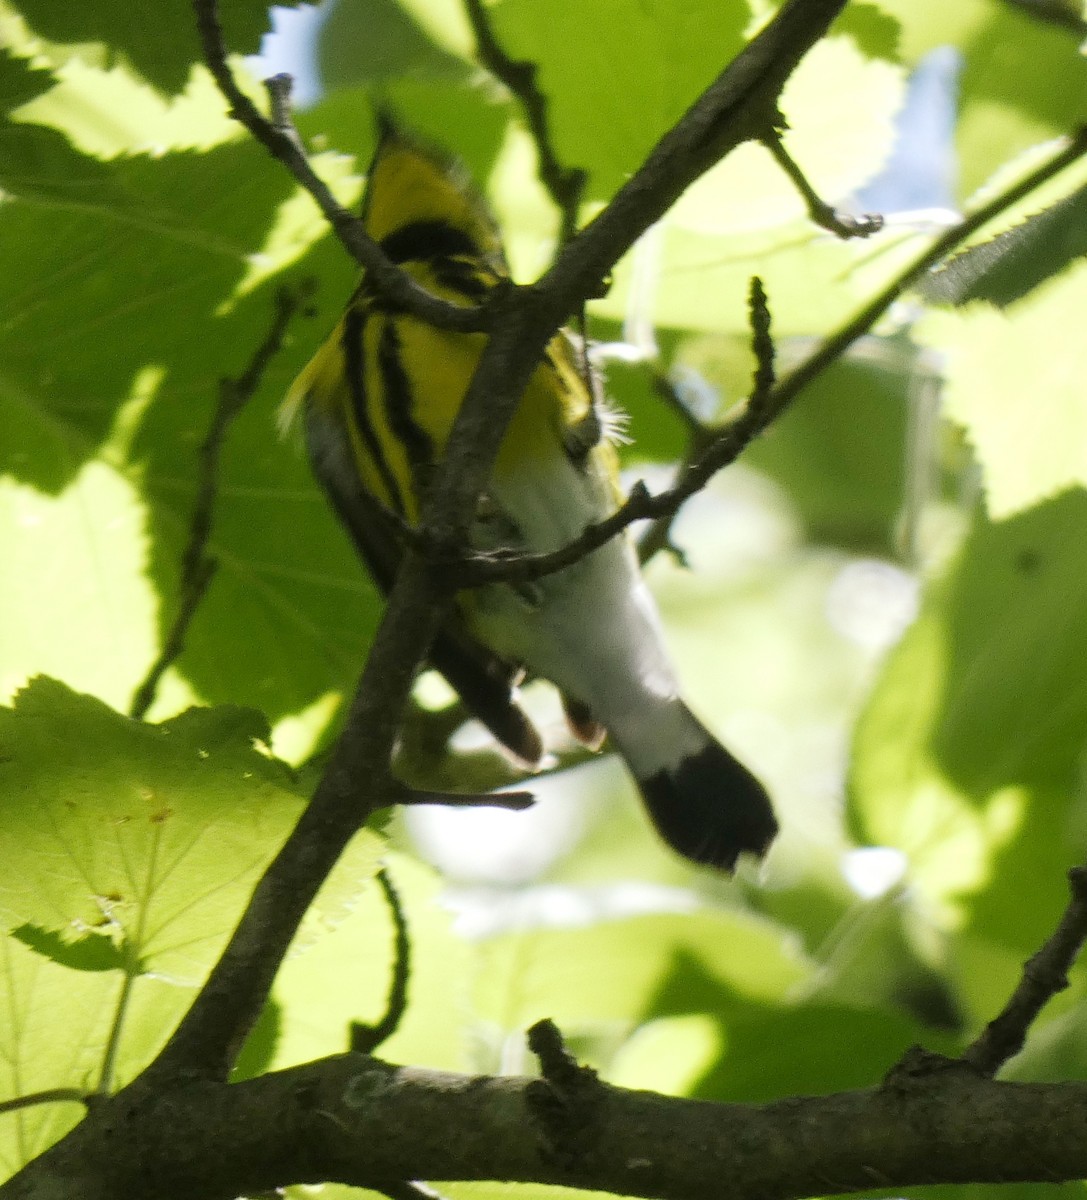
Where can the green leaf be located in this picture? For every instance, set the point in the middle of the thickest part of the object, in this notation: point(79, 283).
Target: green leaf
point(54, 1025)
point(968, 755)
point(625, 972)
point(153, 835)
point(161, 47)
point(1022, 82)
point(39, 164)
point(75, 602)
point(111, 112)
point(1013, 383)
point(377, 42)
point(609, 54)
point(101, 390)
point(756, 1053)
point(1005, 269)
point(93, 298)
point(839, 449)
point(127, 854)
point(90, 952)
point(19, 81)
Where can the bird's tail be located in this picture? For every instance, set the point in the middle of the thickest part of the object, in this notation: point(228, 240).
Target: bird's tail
point(705, 803)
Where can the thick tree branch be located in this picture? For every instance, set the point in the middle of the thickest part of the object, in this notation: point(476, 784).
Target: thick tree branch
point(363, 1122)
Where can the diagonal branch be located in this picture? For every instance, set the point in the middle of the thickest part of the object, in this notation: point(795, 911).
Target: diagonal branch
point(1044, 975)
point(565, 184)
point(756, 417)
point(281, 140)
point(842, 225)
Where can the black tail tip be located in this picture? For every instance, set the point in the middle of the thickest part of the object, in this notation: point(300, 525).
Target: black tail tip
point(711, 809)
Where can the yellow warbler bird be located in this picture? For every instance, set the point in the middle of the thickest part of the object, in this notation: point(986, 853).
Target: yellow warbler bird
point(378, 401)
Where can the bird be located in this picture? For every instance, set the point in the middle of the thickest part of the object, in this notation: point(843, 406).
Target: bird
point(377, 402)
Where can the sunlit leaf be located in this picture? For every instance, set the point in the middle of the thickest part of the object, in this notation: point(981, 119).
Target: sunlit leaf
point(1014, 382)
point(968, 755)
point(161, 47)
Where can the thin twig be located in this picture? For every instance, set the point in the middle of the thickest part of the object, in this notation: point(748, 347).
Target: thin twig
point(737, 435)
point(48, 1096)
point(511, 801)
point(365, 1039)
point(762, 345)
point(565, 184)
point(197, 566)
point(1044, 975)
point(557, 1065)
point(281, 140)
point(567, 1102)
point(658, 534)
point(404, 1189)
point(841, 224)
point(279, 89)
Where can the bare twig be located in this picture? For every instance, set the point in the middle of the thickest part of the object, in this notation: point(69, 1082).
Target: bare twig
point(281, 140)
point(1044, 975)
point(557, 1065)
point(48, 1096)
point(565, 184)
point(511, 801)
point(737, 435)
point(658, 534)
point(566, 1102)
point(197, 566)
point(762, 345)
point(841, 224)
point(404, 1189)
point(365, 1039)
point(279, 89)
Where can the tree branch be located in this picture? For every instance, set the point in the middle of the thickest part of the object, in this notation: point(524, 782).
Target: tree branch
point(1044, 975)
point(59, 1095)
point(733, 439)
point(281, 140)
point(362, 1122)
point(824, 215)
point(365, 1039)
point(564, 184)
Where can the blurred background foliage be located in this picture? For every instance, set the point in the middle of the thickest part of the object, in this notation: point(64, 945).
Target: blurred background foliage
point(881, 607)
